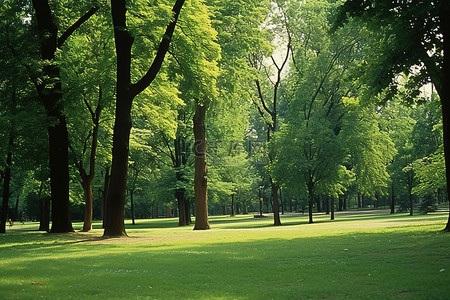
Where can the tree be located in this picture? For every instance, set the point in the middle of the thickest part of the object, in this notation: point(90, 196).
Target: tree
point(414, 39)
point(125, 93)
point(49, 89)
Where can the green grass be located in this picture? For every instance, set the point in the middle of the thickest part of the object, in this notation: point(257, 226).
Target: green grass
point(354, 257)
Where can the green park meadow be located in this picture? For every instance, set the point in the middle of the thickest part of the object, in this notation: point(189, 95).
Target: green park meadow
point(356, 256)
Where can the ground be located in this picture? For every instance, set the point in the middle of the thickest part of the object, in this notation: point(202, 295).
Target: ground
point(374, 256)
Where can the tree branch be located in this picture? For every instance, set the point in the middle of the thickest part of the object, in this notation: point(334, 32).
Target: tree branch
point(145, 81)
point(76, 25)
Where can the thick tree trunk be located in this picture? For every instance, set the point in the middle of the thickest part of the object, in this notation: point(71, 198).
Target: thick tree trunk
point(179, 195)
point(59, 177)
point(6, 184)
point(105, 196)
point(44, 220)
point(50, 93)
point(200, 180)
point(445, 99)
point(114, 225)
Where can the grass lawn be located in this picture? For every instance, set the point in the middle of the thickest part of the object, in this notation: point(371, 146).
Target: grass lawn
point(353, 257)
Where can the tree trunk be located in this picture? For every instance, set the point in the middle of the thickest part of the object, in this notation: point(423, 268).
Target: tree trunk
point(179, 195)
point(275, 205)
point(327, 205)
point(114, 225)
point(44, 220)
point(6, 184)
point(200, 179)
point(245, 212)
point(188, 211)
point(345, 203)
point(224, 209)
point(445, 98)
point(282, 203)
point(232, 205)
point(332, 208)
point(156, 212)
point(340, 203)
point(392, 199)
point(411, 204)
point(359, 200)
point(88, 203)
point(319, 208)
point(105, 196)
point(132, 207)
point(168, 211)
point(310, 203)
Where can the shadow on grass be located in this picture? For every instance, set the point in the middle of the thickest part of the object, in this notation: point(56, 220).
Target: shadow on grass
point(267, 268)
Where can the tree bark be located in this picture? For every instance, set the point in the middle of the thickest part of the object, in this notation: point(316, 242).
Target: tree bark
point(179, 195)
point(105, 196)
point(44, 220)
point(200, 179)
point(6, 184)
point(444, 94)
point(332, 208)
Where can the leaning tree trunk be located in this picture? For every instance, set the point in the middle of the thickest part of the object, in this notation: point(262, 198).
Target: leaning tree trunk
point(200, 179)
